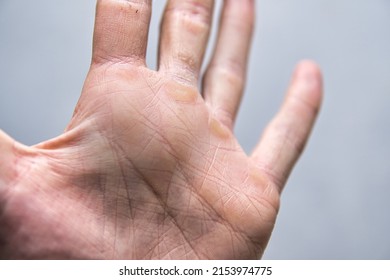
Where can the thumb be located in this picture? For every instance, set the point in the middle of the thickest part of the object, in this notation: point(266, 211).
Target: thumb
point(7, 160)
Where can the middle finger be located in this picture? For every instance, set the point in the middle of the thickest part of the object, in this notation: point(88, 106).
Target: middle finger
point(184, 34)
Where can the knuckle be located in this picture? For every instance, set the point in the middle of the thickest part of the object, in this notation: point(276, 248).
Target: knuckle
point(241, 12)
point(231, 72)
point(193, 15)
point(226, 117)
point(100, 57)
point(187, 58)
point(304, 105)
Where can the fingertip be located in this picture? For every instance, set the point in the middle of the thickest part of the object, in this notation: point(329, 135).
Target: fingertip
point(7, 159)
point(309, 64)
point(307, 83)
point(308, 70)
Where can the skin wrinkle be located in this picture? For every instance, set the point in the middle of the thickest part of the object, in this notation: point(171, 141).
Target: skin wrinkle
point(152, 189)
point(195, 217)
point(154, 127)
point(172, 149)
point(196, 8)
point(187, 62)
point(117, 32)
point(127, 187)
point(149, 184)
point(149, 142)
point(182, 94)
point(291, 140)
point(177, 116)
point(233, 71)
point(268, 170)
point(312, 109)
point(208, 170)
point(181, 50)
point(218, 129)
point(105, 60)
point(210, 206)
point(100, 80)
point(186, 254)
point(102, 185)
point(9, 154)
point(225, 117)
point(147, 168)
point(152, 103)
point(243, 236)
point(116, 223)
point(21, 169)
point(161, 236)
point(214, 157)
point(148, 234)
point(183, 245)
point(151, 249)
point(41, 196)
point(252, 203)
point(204, 155)
point(170, 253)
point(195, 14)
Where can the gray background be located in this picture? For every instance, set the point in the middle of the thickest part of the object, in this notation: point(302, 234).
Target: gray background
point(335, 205)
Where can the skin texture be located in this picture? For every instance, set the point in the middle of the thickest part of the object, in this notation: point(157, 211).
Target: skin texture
point(148, 167)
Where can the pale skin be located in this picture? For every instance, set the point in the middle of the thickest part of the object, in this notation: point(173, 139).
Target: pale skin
point(149, 167)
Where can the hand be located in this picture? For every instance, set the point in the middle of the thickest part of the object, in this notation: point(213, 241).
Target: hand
point(149, 167)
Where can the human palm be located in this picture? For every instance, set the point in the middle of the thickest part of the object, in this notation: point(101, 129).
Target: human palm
point(149, 167)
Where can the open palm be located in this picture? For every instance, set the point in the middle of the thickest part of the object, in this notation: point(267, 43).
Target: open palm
point(148, 167)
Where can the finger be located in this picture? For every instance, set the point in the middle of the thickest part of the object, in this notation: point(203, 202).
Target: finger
point(7, 161)
point(184, 34)
point(121, 30)
point(285, 137)
point(224, 81)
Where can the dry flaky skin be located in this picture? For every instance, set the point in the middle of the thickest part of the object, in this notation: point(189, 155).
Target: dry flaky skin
point(147, 168)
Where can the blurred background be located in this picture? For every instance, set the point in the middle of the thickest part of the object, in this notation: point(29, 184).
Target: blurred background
point(336, 203)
